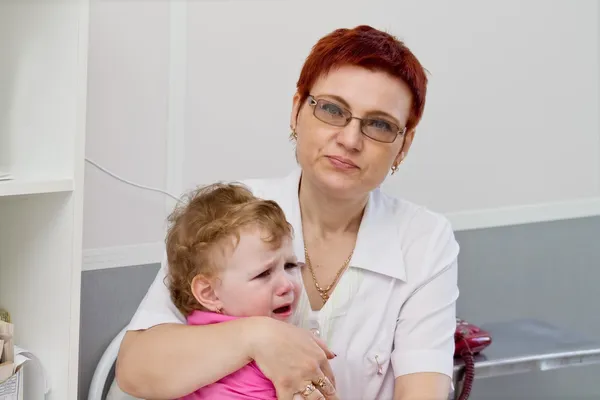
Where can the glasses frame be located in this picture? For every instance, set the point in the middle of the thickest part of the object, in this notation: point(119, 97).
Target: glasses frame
point(313, 102)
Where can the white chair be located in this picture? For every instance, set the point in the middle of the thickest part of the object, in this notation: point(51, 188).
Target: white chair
point(102, 374)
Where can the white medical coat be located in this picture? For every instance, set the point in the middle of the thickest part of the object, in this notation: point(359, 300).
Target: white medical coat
point(401, 320)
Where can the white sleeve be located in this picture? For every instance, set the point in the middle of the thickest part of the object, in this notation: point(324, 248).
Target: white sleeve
point(157, 307)
point(424, 337)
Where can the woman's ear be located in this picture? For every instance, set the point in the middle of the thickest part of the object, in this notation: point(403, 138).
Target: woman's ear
point(408, 139)
point(204, 292)
point(295, 111)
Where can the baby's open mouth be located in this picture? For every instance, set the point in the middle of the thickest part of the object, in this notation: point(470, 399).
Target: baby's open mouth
point(282, 310)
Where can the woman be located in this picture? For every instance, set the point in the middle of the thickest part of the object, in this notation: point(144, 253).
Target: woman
point(377, 316)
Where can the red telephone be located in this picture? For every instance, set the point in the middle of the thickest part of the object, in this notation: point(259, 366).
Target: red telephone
point(469, 340)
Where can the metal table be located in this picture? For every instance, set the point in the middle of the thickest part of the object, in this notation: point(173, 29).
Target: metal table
point(526, 345)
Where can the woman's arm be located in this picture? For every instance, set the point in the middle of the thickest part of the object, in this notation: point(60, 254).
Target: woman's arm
point(161, 357)
point(422, 386)
point(422, 359)
point(172, 360)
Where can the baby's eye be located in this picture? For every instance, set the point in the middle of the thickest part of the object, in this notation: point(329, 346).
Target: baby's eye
point(290, 265)
point(264, 274)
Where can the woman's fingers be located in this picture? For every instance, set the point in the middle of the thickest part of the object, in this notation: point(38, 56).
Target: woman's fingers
point(325, 367)
point(328, 375)
point(311, 392)
point(292, 358)
point(314, 396)
point(323, 346)
point(325, 386)
point(320, 388)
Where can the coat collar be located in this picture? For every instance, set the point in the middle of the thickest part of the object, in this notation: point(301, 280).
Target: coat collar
point(378, 246)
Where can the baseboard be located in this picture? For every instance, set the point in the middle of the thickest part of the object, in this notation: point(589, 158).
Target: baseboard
point(152, 253)
point(123, 256)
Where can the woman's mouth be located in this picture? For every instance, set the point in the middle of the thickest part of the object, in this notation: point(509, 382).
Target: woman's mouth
point(342, 163)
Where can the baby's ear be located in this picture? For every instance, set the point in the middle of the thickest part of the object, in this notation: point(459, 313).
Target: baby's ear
point(203, 291)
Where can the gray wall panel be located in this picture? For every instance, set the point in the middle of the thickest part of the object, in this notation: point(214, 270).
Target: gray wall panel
point(549, 271)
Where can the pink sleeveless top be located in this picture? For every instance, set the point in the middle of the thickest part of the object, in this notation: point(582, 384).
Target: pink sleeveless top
point(247, 383)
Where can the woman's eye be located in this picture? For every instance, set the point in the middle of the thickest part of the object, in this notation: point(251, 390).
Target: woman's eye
point(332, 109)
point(380, 124)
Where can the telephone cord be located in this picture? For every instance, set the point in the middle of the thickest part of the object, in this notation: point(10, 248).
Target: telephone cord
point(467, 385)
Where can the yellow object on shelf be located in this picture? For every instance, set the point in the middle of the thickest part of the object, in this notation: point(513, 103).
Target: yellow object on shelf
point(4, 316)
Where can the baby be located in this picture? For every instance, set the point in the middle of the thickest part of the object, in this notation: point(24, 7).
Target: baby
point(230, 255)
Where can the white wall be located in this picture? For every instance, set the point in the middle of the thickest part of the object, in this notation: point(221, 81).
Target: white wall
point(510, 132)
point(127, 117)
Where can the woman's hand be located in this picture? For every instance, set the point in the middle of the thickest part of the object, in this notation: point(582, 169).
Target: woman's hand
point(294, 359)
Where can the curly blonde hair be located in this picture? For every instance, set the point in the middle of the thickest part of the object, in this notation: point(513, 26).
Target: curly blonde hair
point(208, 223)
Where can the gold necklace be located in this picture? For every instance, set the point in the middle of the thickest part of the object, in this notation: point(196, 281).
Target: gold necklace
point(324, 292)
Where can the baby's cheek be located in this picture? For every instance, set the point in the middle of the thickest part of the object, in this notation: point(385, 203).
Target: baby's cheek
point(297, 287)
point(258, 307)
point(295, 277)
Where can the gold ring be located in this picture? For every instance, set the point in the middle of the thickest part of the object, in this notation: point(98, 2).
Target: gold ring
point(308, 390)
point(325, 386)
point(321, 382)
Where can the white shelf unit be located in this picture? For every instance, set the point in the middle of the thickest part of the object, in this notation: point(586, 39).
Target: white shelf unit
point(43, 74)
point(33, 186)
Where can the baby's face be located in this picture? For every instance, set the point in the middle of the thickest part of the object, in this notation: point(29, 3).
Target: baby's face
point(259, 280)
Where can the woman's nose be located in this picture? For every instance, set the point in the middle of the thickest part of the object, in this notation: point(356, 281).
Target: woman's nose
point(351, 136)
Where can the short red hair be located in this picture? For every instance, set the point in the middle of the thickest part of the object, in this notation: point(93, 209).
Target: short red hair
point(366, 47)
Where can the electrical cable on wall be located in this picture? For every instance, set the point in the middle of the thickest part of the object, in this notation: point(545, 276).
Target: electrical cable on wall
point(101, 168)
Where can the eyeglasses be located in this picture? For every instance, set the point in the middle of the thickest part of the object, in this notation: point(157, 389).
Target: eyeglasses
point(336, 115)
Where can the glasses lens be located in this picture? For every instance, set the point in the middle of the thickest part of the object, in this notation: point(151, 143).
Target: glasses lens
point(380, 130)
point(377, 129)
point(331, 113)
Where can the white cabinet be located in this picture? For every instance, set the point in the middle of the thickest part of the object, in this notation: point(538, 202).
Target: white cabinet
point(43, 69)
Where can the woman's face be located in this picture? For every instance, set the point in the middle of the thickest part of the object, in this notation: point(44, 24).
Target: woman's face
point(341, 159)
